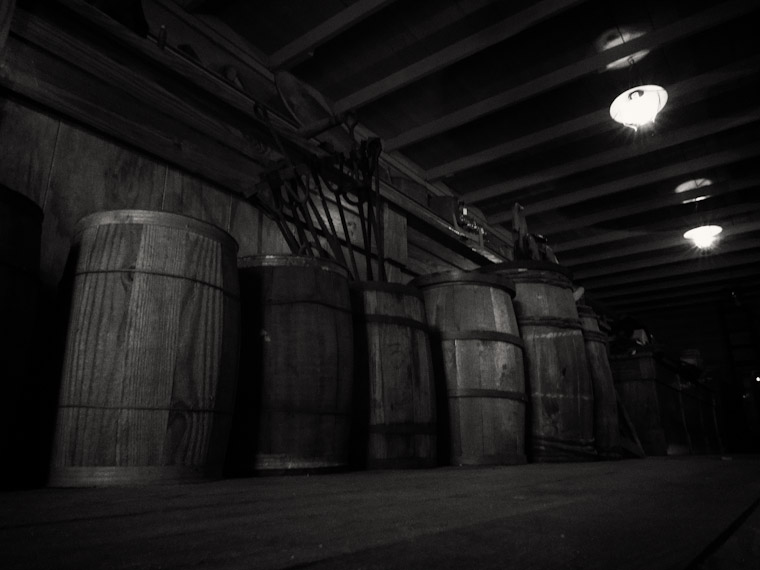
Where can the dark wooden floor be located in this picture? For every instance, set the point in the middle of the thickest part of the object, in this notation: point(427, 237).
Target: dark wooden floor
point(648, 514)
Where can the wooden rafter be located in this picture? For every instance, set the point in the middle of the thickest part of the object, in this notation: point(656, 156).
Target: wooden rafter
point(650, 245)
point(621, 185)
point(456, 52)
point(677, 284)
point(300, 48)
point(706, 19)
point(683, 252)
point(677, 295)
point(697, 88)
point(677, 268)
point(688, 134)
point(615, 213)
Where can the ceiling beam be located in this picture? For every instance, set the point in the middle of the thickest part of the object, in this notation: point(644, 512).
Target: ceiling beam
point(688, 167)
point(721, 276)
point(721, 216)
point(677, 294)
point(683, 268)
point(302, 48)
point(555, 227)
point(704, 20)
point(626, 152)
point(455, 52)
point(686, 252)
point(694, 89)
point(653, 245)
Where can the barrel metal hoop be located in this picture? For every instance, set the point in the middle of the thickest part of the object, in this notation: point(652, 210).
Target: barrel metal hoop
point(481, 335)
point(150, 218)
point(394, 288)
point(485, 393)
point(595, 336)
point(273, 303)
point(548, 280)
point(456, 277)
point(392, 320)
point(556, 322)
point(405, 428)
point(254, 262)
point(226, 292)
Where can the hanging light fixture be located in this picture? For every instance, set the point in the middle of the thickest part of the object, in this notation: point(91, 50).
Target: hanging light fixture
point(638, 106)
point(616, 37)
point(703, 236)
point(693, 184)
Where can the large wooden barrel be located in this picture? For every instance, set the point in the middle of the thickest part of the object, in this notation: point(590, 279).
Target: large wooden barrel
point(20, 229)
point(479, 356)
point(295, 391)
point(606, 428)
point(395, 396)
point(152, 349)
point(652, 394)
point(561, 410)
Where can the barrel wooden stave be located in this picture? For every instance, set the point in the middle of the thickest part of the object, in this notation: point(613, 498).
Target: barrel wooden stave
point(396, 372)
point(561, 409)
point(151, 356)
point(296, 387)
point(606, 428)
point(476, 368)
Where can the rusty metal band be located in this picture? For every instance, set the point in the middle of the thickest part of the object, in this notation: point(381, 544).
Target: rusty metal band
point(277, 303)
point(554, 322)
point(481, 335)
point(595, 336)
point(446, 278)
point(150, 218)
point(391, 320)
point(485, 393)
point(272, 261)
point(394, 288)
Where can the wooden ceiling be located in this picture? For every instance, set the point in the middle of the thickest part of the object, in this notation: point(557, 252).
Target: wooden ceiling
point(505, 101)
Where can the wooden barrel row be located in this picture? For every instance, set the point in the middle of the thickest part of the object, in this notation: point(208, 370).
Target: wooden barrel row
point(149, 379)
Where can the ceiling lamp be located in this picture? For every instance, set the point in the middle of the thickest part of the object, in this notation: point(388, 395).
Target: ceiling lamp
point(618, 36)
point(693, 184)
point(638, 106)
point(703, 236)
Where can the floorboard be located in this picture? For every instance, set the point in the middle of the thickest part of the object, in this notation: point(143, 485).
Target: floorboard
point(637, 514)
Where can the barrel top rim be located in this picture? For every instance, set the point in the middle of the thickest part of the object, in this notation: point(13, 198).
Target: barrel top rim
point(156, 218)
point(458, 276)
point(15, 198)
point(290, 260)
point(528, 265)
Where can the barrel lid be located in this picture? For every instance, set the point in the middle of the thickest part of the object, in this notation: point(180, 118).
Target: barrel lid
point(20, 202)
point(473, 277)
point(526, 265)
point(153, 218)
point(287, 260)
point(395, 288)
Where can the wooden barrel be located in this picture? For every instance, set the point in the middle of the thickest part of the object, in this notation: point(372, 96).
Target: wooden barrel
point(395, 398)
point(20, 229)
point(479, 356)
point(294, 409)
point(152, 349)
point(561, 410)
point(606, 428)
point(654, 398)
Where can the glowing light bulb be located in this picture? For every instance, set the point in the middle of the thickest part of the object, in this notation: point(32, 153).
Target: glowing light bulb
point(703, 236)
point(692, 184)
point(638, 106)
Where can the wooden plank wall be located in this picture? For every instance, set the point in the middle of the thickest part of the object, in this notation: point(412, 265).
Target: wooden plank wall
point(71, 171)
